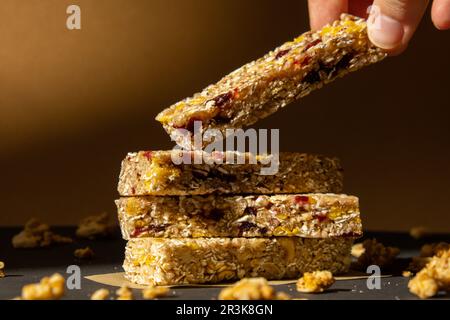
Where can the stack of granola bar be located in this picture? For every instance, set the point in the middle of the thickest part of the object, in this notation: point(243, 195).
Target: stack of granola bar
point(217, 220)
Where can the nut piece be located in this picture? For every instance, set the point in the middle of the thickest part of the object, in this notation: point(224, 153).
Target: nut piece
point(358, 250)
point(251, 289)
point(153, 292)
point(426, 253)
point(433, 278)
point(49, 288)
point(37, 234)
point(2, 271)
point(95, 226)
point(315, 282)
point(418, 232)
point(84, 253)
point(376, 253)
point(406, 273)
point(100, 294)
point(124, 293)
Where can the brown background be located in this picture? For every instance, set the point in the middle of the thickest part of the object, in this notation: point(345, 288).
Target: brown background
point(74, 102)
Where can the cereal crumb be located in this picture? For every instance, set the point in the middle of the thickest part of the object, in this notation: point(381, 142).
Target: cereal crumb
point(418, 232)
point(407, 273)
point(100, 294)
point(376, 253)
point(315, 282)
point(251, 289)
point(84, 253)
point(2, 269)
point(49, 288)
point(154, 292)
point(357, 250)
point(37, 234)
point(435, 276)
point(432, 249)
point(95, 226)
point(124, 293)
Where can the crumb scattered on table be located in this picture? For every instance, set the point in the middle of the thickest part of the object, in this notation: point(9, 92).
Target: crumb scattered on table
point(153, 292)
point(406, 273)
point(100, 294)
point(375, 253)
point(434, 277)
point(2, 269)
point(315, 282)
point(95, 226)
point(418, 232)
point(49, 288)
point(252, 289)
point(84, 253)
point(357, 250)
point(37, 234)
point(124, 293)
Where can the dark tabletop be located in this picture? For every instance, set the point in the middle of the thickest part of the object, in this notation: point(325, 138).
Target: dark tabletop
point(25, 266)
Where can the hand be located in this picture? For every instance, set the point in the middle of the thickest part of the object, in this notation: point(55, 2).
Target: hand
point(390, 24)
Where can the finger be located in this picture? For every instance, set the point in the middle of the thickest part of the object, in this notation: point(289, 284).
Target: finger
point(322, 12)
point(359, 7)
point(392, 23)
point(440, 13)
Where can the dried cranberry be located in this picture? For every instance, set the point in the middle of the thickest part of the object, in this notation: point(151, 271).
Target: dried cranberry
point(138, 231)
point(312, 77)
point(148, 155)
point(281, 53)
point(301, 200)
point(321, 217)
point(312, 44)
point(133, 190)
point(351, 235)
point(250, 210)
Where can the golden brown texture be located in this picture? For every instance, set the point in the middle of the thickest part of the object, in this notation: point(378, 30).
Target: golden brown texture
point(282, 76)
point(315, 282)
point(251, 289)
point(155, 173)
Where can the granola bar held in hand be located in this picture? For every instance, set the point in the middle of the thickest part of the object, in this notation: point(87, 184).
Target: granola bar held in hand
point(165, 261)
point(155, 173)
point(306, 215)
point(260, 88)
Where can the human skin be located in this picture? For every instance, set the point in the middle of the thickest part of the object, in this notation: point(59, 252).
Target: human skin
point(391, 23)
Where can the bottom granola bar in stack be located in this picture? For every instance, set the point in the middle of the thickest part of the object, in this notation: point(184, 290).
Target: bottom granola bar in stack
point(190, 224)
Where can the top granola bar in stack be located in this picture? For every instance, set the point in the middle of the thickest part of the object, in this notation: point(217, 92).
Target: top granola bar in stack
point(156, 173)
point(285, 74)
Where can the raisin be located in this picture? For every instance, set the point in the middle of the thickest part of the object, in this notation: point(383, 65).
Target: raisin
point(222, 99)
point(222, 176)
point(263, 230)
point(281, 53)
point(157, 227)
point(245, 226)
point(312, 77)
point(332, 71)
point(133, 190)
point(215, 214)
point(250, 210)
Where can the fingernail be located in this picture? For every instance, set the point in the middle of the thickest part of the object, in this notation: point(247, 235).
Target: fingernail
point(384, 32)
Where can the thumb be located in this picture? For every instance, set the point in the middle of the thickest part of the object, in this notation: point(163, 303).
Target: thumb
point(392, 23)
